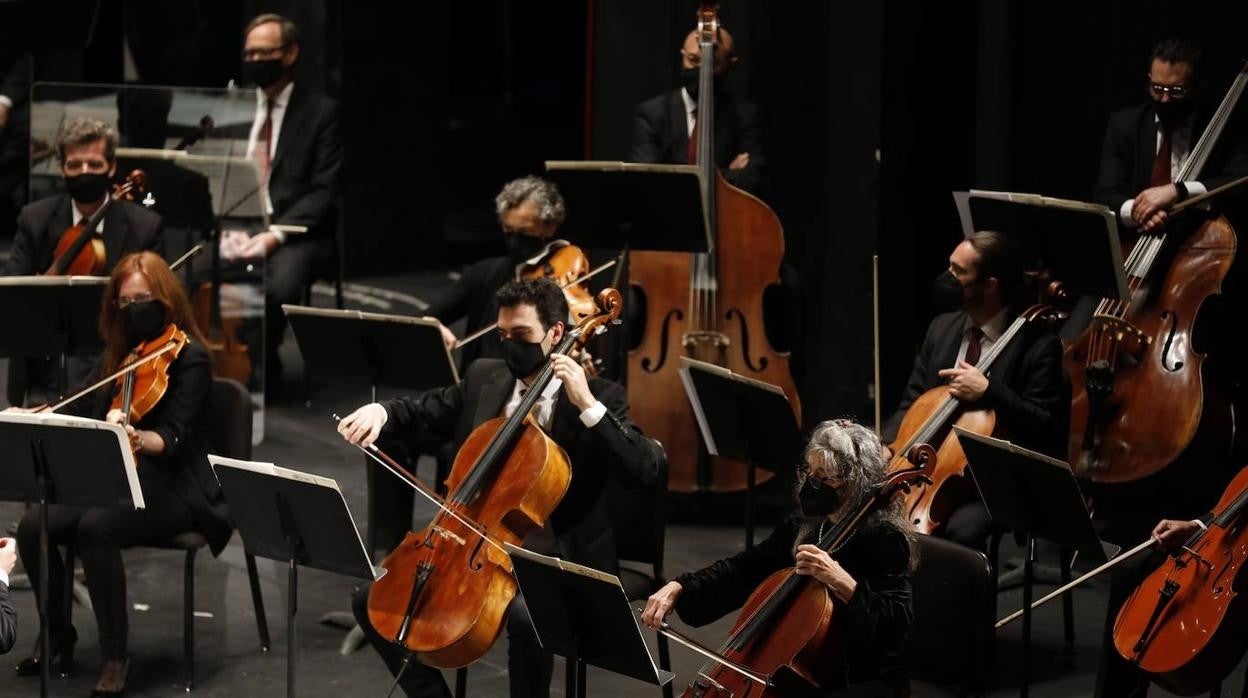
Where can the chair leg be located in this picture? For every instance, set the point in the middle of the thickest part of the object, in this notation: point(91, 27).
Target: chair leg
point(665, 663)
point(461, 682)
point(1065, 555)
point(257, 600)
point(188, 619)
point(69, 585)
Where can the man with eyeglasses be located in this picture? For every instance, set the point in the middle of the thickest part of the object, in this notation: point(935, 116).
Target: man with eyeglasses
point(295, 142)
point(87, 149)
point(1148, 144)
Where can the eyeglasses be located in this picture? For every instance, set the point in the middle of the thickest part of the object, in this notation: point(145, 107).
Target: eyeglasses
point(259, 54)
point(123, 301)
point(1175, 91)
point(804, 474)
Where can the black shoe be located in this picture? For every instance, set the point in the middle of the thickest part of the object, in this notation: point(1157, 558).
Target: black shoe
point(112, 681)
point(62, 656)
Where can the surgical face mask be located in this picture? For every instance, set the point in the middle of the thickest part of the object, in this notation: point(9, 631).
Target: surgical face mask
point(144, 320)
point(523, 358)
point(818, 499)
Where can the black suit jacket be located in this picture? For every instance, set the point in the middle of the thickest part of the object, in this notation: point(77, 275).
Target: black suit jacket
point(1131, 147)
point(8, 620)
point(127, 228)
point(472, 297)
point(661, 135)
point(612, 448)
point(1026, 384)
point(303, 179)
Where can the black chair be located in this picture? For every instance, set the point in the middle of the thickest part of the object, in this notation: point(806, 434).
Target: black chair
point(954, 597)
point(229, 417)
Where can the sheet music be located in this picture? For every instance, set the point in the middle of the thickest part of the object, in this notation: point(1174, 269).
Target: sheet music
point(70, 421)
point(696, 402)
point(560, 563)
point(1011, 448)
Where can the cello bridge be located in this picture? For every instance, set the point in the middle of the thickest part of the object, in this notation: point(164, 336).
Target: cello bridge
point(1126, 336)
point(449, 535)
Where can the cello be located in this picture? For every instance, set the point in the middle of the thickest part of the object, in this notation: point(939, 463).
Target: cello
point(1187, 623)
point(448, 586)
point(708, 306)
point(786, 638)
point(1142, 396)
point(928, 422)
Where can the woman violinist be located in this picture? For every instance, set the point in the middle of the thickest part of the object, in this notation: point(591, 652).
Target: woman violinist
point(143, 302)
point(869, 575)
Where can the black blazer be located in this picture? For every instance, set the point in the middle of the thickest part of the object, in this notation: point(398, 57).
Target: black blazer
point(472, 297)
point(1026, 385)
point(303, 179)
point(127, 228)
point(1131, 147)
point(613, 448)
point(661, 135)
point(8, 620)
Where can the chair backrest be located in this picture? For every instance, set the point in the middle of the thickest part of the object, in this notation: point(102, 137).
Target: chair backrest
point(954, 601)
point(229, 419)
point(638, 515)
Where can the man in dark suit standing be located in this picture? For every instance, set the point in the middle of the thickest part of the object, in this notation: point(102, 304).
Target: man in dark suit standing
point(296, 144)
point(588, 418)
point(1147, 145)
point(1028, 389)
point(8, 615)
point(663, 126)
point(87, 150)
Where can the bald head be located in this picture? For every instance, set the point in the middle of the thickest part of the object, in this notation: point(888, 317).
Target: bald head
point(691, 53)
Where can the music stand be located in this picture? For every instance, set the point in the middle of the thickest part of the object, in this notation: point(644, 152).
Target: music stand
point(61, 459)
point(742, 419)
point(583, 615)
point(1037, 496)
point(58, 317)
point(296, 518)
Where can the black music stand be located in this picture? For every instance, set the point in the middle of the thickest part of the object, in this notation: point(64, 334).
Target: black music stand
point(296, 518)
point(1037, 496)
point(743, 419)
point(61, 459)
point(58, 317)
point(583, 615)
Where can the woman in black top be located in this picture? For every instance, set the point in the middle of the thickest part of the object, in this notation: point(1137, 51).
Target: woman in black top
point(180, 492)
point(869, 576)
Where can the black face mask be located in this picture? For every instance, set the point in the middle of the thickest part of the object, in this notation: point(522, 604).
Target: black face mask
point(521, 247)
point(817, 500)
point(689, 81)
point(144, 320)
point(87, 188)
point(948, 293)
point(1175, 112)
point(523, 358)
point(264, 73)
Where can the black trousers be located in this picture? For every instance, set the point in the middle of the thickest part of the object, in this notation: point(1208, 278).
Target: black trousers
point(1115, 676)
point(100, 535)
point(291, 267)
point(528, 666)
point(969, 525)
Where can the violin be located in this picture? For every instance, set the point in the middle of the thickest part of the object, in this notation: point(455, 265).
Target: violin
point(567, 266)
point(80, 251)
point(449, 585)
point(1185, 624)
point(142, 388)
point(786, 639)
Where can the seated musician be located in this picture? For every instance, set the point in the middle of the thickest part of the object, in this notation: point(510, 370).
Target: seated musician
point(1028, 390)
point(530, 211)
point(869, 575)
point(87, 150)
point(588, 417)
point(1147, 145)
point(142, 299)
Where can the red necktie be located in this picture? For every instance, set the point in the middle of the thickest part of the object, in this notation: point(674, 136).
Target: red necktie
point(1161, 164)
point(692, 151)
point(264, 141)
point(974, 346)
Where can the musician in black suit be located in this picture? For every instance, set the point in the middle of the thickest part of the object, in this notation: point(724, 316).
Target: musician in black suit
point(1028, 390)
point(588, 418)
point(87, 150)
point(8, 614)
point(663, 125)
point(296, 143)
point(1146, 145)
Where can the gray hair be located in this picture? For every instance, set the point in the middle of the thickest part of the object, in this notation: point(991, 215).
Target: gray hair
point(82, 130)
point(288, 30)
point(851, 453)
point(544, 195)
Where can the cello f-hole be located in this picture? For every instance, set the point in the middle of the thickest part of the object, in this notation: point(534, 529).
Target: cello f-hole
point(745, 341)
point(473, 563)
point(1172, 318)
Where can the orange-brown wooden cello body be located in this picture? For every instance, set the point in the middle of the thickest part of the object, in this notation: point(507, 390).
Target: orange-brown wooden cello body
point(448, 586)
point(706, 306)
point(1187, 623)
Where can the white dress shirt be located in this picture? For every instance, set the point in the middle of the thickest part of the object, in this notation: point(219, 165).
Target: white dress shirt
point(1180, 148)
point(691, 111)
point(544, 410)
point(993, 329)
point(279, 114)
point(77, 217)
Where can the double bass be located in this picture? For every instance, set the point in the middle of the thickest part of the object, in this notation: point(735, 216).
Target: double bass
point(448, 586)
point(1142, 394)
point(706, 306)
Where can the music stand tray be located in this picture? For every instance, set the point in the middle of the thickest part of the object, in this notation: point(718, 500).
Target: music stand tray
point(58, 315)
point(297, 518)
point(583, 615)
point(743, 419)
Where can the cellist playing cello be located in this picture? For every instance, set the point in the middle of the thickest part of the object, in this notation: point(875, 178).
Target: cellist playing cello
point(587, 417)
point(869, 576)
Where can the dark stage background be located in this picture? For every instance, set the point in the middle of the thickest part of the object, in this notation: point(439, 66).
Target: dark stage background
point(873, 113)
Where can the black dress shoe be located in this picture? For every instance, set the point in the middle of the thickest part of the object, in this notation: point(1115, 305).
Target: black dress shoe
point(62, 656)
point(112, 681)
